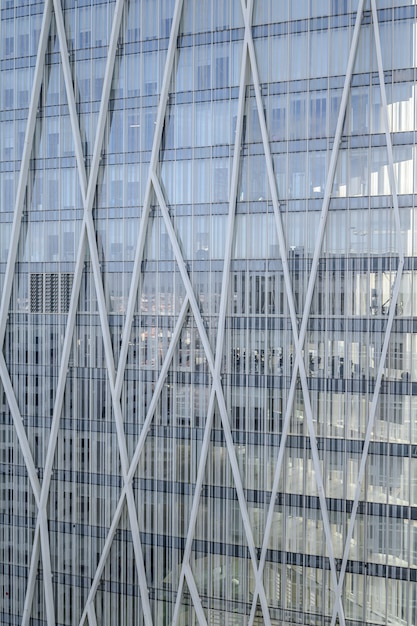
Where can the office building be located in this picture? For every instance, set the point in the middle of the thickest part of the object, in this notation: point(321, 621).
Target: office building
point(208, 277)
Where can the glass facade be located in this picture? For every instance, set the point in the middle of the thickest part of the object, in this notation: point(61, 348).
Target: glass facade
point(208, 277)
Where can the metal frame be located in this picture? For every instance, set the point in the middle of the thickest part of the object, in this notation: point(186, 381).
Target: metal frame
point(390, 319)
point(299, 342)
point(216, 381)
point(185, 568)
point(135, 459)
point(92, 619)
point(299, 335)
point(153, 189)
point(41, 535)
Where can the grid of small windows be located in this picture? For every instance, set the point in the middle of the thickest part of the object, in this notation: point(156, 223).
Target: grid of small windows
point(302, 79)
point(50, 293)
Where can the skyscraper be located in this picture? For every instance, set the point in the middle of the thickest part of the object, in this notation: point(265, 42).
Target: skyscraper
point(208, 374)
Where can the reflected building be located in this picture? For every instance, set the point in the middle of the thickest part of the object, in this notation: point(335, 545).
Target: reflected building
point(208, 374)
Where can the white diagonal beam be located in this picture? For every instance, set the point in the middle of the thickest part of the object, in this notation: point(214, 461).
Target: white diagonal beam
point(299, 364)
point(62, 376)
point(79, 264)
point(310, 289)
point(215, 379)
point(20, 430)
point(135, 459)
point(221, 330)
point(92, 619)
point(24, 167)
point(195, 596)
point(11, 260)
point(87, 223)
point(89, 605)
point(108, 76)
point(69, 87)
point(115, 391)
point(391, 313)
point(194, 508)
point(44, 491)
point(87, 228)
point(116, 385)
point(118, 419)
point(34, 560)
point(42, 536)
point(299, 339)
point(159, 125)
point(387, 131)
point(159, 386)
point(70, 325)
point(330, 174)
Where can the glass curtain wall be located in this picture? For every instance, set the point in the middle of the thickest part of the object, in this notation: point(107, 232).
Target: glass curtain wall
point(209, 294)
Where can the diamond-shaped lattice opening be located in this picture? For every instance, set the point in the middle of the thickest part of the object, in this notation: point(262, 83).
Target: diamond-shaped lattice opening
point(118, 594)
point(159, 301)
point(70, 504)
point(17, 542)
point(186, 614)
point(86, 444)
point(273, 584)
point(116, 237)
point(69, 602)
point(96, 23)
point(154, 328)
point(169, 463)
point(219, 551)
point(83, 447)
point(163, 506)
point(41, 293)
point(355, 584)
point(13, 461)
point(38, 608)
point(161, 510)
point(161, 290)
point(34, 336)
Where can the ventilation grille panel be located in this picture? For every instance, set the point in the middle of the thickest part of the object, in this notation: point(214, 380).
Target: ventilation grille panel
point(50, 293)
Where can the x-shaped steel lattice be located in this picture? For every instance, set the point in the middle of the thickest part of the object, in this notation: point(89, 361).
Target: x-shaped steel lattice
point(88, 184)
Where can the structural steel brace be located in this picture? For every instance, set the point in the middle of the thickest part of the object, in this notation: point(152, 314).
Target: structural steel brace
point(116, 377)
